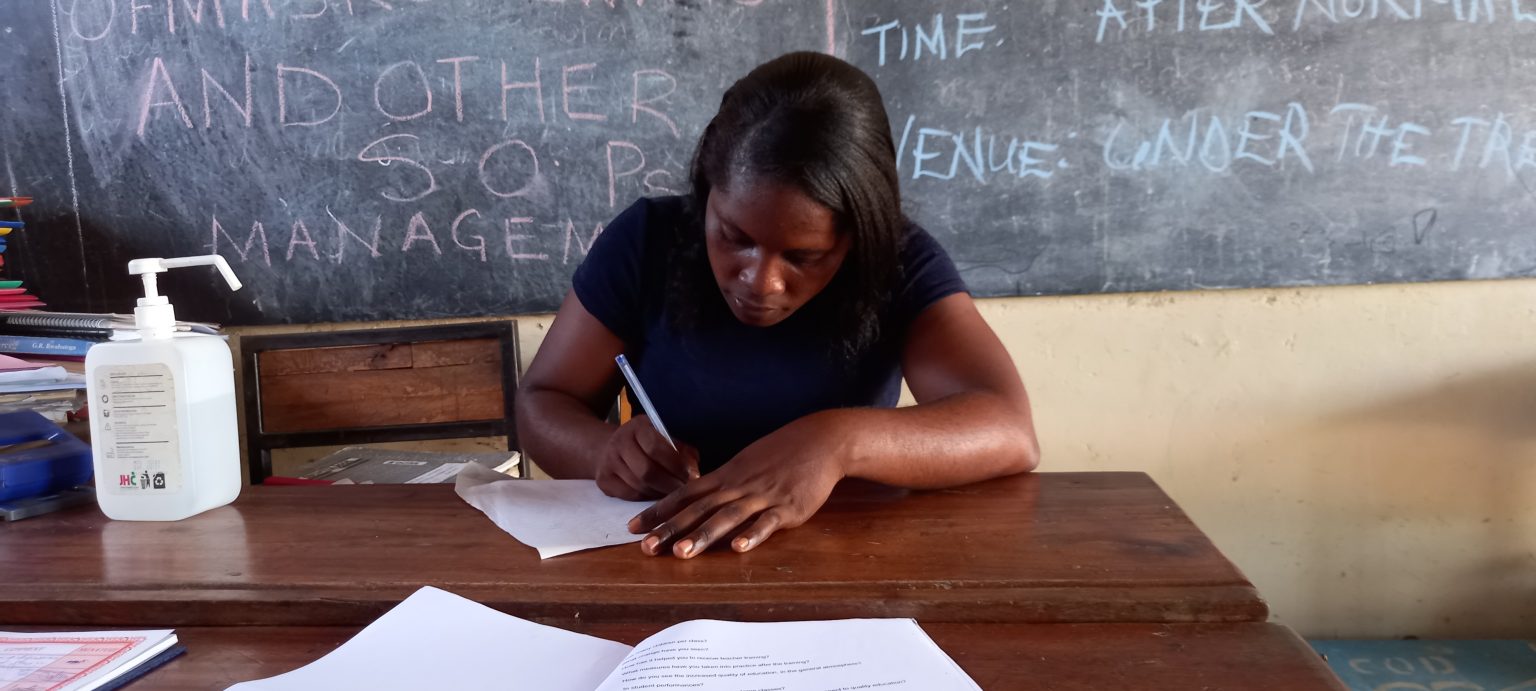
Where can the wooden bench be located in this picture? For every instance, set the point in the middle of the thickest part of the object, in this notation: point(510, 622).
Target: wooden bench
point(336, 388)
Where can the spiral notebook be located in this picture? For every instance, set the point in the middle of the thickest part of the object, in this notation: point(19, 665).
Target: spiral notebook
point(86, 321)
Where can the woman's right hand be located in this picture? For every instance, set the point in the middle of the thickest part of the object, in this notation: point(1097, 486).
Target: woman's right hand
point(637, 463)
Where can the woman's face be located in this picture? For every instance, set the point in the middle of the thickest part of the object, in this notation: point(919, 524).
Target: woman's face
point(772, 248)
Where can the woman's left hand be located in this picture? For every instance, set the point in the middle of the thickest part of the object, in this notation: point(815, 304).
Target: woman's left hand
point(778, 482)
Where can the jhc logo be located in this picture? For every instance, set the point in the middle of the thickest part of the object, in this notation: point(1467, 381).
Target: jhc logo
point(141, 480)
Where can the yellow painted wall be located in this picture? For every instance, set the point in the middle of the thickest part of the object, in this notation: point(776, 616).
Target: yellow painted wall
point(1365, 454)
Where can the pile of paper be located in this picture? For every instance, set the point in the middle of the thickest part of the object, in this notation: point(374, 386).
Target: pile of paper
point(49, 388)
point(15, 372)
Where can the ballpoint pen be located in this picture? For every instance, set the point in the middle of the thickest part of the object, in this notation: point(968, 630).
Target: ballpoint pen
point(645, 401)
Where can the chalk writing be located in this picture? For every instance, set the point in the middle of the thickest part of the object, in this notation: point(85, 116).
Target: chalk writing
point(929, 40)
point(976, 154)
point(521, 159)
point(423, 187)
point(420, 79)
point(1214, 143)
point(1358, 133)
point(244, 108)
point(95, 20)
point(1129, 19)
point(651, 182)
point(159, 87)
point(401, 92)
point(363, 238)
point(1151, 16)
point(1498, 139)
point(1469, 11)
point(566, 89)
point(1372, 130)
point(313, 96)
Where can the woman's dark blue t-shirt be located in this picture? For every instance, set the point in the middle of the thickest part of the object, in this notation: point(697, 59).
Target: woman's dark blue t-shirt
point(724, 384)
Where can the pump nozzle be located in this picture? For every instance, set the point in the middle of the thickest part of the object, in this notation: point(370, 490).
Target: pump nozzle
point(149, 267)
point(154, 315)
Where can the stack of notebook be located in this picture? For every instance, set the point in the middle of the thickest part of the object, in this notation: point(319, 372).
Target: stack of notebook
point(13, 296)
point(52, 335)
point(68, 335)
point(29, 333)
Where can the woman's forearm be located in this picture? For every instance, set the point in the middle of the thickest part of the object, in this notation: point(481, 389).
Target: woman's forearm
point(560, 434)
point(963, 438)
point(956, 440)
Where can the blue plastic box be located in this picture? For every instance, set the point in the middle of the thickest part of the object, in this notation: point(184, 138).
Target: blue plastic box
point(44, 459)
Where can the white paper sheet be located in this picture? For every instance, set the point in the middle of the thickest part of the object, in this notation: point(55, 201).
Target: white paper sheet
point(15, 364)
point(70, 380)
point(790, 656)
point(438, 640)
point(33, 375)
point(552, 516)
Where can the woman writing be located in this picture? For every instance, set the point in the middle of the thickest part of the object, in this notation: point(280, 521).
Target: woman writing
point(771, 315)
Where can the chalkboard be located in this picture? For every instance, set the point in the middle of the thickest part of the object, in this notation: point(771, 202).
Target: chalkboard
point(376, 159)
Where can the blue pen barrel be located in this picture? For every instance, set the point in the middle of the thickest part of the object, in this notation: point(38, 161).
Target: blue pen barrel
point(645, 401)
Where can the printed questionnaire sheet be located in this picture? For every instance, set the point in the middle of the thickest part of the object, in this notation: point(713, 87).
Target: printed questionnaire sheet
point(793, 655)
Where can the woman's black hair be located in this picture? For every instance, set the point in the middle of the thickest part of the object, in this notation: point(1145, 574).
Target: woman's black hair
point(817, 123)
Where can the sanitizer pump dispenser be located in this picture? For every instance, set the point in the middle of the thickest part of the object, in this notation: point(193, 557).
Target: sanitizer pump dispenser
point(164, 433)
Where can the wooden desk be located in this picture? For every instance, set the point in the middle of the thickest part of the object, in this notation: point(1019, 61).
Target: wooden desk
point(1000, 657)
point(1050, 547)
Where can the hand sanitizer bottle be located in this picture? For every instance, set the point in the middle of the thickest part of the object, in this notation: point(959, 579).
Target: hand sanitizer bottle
point(164, 433)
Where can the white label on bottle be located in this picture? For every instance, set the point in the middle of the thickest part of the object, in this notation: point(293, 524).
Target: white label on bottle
point(140, 442)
